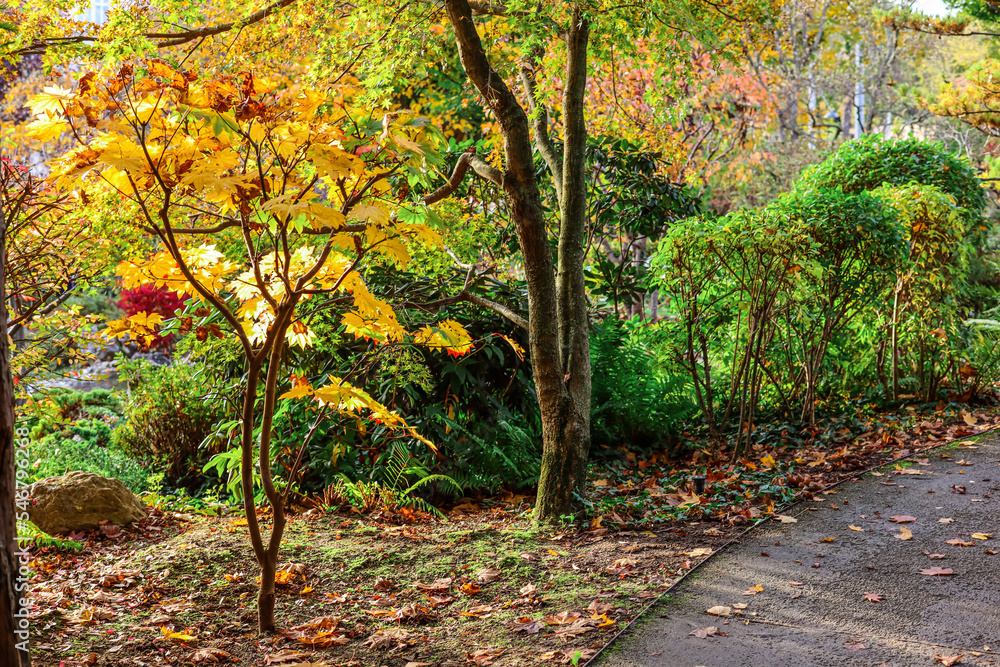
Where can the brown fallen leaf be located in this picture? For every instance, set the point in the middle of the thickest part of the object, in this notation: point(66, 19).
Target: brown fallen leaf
point(873, 597)
point(285, 656)
point(827, 539)
point(796, 583)
point(753, 590)
point(959, 542)
point(936, 556)
point(438, 586)
point(598, 607)
point(948, 660)
point(938, 571)
point(392, 637)
point(562, 618)
point(484, 657)
point(946, 520)
point(215, 655)
point(488, 575)
point(699, 552)
point(902, 518)
point(479, 611)
point(528, 626)
point(703, 633)
point(857, 528)
point(718, 610)
point(784, 518)
point(904, 534)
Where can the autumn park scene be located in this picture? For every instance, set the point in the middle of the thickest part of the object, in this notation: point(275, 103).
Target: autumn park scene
point(459, 333)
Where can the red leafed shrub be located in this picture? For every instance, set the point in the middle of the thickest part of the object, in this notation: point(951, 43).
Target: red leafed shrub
point(151, 299)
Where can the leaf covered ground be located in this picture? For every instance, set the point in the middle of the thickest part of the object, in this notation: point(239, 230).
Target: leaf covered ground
point(483, 588)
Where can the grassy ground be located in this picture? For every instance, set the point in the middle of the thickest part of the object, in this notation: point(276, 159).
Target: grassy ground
point(188, 594)
point(482, 588)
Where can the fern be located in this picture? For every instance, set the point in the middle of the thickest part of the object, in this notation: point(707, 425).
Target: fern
point(28, 531)
point(633, 402)
point(397, 467)
point(508, 455)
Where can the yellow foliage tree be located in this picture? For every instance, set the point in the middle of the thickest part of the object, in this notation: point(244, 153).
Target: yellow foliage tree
point(298, 182)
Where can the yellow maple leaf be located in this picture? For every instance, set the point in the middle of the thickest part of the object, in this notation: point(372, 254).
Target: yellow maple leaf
point(46, 130)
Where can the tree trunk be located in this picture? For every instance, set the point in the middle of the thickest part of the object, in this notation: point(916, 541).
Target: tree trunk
point(13, 608)
point(558, 332)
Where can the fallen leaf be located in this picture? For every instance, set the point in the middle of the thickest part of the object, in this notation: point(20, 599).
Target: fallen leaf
point(718, 610)
point(528, 626)
point(873, 597)
point(827, 539)
point(393, 637)
point(285, 656)
point(753, 590)
point(945, 520)
point(209, 655)
point(739, 605)
point(471, 588)
point(857, 528)
point(902, 518)
point(701, 551)
point(784, 518)
point(562, 618)
point(948, 660)
point(487, 575)
point(598, 607)
point(936, 556)
point(981, 536)
point(960, 543)
point(438, 586)
point(703, 633)
point(904, 534)
point(938, 572)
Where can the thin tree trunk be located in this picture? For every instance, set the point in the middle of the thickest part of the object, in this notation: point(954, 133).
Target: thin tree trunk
point(13, 616)
point(566, 470)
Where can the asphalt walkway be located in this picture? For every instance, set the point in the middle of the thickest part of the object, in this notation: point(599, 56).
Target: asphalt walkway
point(839, 587)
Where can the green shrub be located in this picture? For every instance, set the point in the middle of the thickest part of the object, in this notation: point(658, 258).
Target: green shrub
point(634, 403)
point(168, 414)
point(86, 445)
point(872, 161)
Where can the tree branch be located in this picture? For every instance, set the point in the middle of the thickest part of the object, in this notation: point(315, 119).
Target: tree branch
point(162, 39)
point(466, 297)
point(540, 120)
point(482, 168)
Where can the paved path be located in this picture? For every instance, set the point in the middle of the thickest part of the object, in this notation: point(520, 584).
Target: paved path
point(826, 619)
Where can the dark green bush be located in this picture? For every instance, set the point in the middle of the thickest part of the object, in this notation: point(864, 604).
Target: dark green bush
point(872, 161)
point(86, 445)
point(167, 415)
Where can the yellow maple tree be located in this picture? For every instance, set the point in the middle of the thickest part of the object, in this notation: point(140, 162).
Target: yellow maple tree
point(260, 198)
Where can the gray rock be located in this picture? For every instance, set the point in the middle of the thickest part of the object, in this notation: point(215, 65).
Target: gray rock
point(80, 501)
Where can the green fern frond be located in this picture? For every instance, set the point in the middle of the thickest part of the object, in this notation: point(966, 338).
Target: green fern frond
point(28, 531)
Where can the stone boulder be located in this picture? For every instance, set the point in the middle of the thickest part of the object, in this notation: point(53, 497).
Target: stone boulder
point(79, 501)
